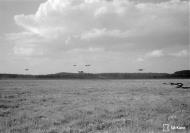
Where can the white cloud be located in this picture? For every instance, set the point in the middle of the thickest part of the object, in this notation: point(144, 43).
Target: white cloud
point(182, 53)
point(100, 11)
point(101, 33)
point(160, 53)
point(23, 51)
point(63, 25)
point(88, 50)
point(93, 34)
point(26, 44)
point(140, 59)
point(155, 53)
point(27, 50)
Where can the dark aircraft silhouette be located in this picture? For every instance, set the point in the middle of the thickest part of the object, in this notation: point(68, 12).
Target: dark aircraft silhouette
point(74, 65)
point(26, 69)
point(140, 69)
point(87, 65)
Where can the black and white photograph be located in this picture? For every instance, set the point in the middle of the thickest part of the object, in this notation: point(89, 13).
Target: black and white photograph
point(94, 66)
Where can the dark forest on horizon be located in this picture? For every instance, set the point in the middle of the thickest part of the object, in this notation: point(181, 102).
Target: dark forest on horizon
point(65, 75)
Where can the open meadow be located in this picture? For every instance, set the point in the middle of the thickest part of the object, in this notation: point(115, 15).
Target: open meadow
point(94, 106)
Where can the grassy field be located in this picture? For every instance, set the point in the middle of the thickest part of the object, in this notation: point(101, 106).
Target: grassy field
point(93, 106)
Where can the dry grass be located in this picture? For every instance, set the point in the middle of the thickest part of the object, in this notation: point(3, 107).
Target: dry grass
point(88, 106)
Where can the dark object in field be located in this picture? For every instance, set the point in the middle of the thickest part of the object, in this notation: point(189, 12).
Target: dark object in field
point(173, 83)
point(8, 106)
point(4, 114)
point(185, 87)
point(4, 106)
point(180, 85)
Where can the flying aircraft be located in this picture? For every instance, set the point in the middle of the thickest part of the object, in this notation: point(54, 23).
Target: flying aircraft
point(74, 65)
point(140, 69)
point(87, 65)
point(26, 69)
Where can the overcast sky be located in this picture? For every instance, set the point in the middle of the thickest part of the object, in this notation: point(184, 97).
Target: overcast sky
point(49, 36)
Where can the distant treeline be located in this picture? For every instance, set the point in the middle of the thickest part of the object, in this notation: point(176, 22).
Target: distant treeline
point(178, 74)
